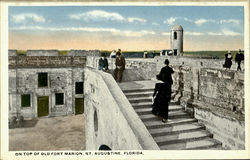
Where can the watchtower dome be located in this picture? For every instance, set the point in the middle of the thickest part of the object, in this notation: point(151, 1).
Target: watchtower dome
point(176, 39)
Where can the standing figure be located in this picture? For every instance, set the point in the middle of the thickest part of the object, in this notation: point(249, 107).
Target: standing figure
point(120, 66)
point(103, 63)
point(228, 61)
point(162, 92)
point(238, 58)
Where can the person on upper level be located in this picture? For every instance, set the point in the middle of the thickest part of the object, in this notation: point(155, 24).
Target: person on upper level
point(228, 61)
point(120, 66)
point(238, 58)
point(103, 63)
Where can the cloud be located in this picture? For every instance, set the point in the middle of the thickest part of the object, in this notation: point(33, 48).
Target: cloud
point(230, 33)
point(21, 18)
point(113, 31)
point(170, 20)
point(225, 32)
point(136, 19)
point(194, 33)
point(128, 33)
point(165, 33)
point(188, 20)
point(202, 21)
point(234, 21)
point(155, 24)
point(100, 15)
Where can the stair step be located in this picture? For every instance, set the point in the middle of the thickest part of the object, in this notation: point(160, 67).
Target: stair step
point(139, 94)
point(159, 124)
point(149, 104)
point(142, 105)
point(182, 137)
point(138, 90)
point(171, 115)
point(144, 110)
point(176, 129)
point(193, 145)
point(140, 99)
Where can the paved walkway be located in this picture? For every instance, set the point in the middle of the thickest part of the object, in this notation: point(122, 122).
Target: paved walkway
point(55, 133)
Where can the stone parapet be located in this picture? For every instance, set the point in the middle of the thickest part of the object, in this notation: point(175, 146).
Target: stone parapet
point(194, 62)
point(45, 61)
point(110, 118)
point(42, 53)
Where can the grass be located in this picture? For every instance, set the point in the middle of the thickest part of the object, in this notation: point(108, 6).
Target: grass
point(61, 53)
point(21, 52)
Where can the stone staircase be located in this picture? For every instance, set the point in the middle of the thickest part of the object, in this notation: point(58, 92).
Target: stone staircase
point(183, 132)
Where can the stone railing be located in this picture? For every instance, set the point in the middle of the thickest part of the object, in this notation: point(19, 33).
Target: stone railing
point(194, 62)
point(54, 52)
point(216, 98)
point(46, 61)
point(224, 90)
point(135, 69)
point(110, 118)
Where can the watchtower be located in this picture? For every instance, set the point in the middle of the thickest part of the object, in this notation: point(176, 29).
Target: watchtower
point(176, 39)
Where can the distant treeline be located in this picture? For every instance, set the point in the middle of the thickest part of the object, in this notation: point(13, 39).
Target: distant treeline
point(201, 54)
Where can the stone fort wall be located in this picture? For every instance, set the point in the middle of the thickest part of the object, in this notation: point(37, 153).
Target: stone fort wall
point(213, 95)
point(63, 72)
point(109, 114)
point(24, 81)
point(56, 53)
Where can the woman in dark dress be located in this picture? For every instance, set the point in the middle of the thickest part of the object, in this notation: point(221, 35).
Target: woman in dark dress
point(228, 61)
point(162, 92)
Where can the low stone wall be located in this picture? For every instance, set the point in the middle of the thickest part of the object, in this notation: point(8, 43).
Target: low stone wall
point(230, 132)
point(83, 53)
point(194, 62)
point(218, 88)
point(12, 52)
point(56, 53)
point(110, 118)
point(216, 98)
point(135, 69)
point(42, 53)
point(46, 61)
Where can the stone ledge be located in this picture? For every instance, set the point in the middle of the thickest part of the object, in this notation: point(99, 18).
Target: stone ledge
point(224, 113)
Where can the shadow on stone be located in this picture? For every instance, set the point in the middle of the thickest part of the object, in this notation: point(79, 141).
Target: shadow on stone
point(21, 123)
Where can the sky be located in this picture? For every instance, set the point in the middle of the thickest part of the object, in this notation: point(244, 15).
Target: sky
point(129, 28)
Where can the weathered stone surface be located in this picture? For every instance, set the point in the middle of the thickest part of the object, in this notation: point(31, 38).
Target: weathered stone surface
point(45, 61)
point(194, 62)
point(42, 53)
point(12, 52)
point(135, 69)
point(229, 131)
point(60, 80)
point(83, 53)
point(114, 118)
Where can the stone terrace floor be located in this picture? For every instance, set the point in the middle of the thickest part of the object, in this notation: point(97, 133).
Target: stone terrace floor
point(56, 133)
